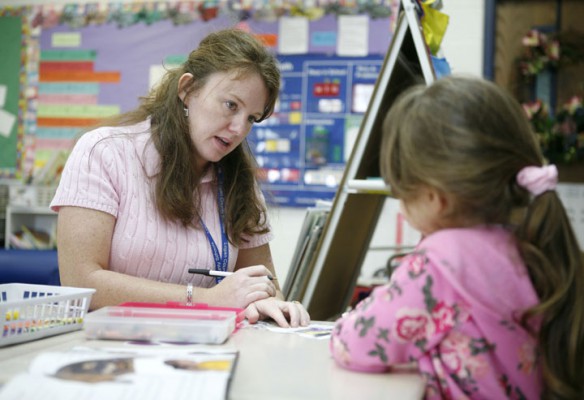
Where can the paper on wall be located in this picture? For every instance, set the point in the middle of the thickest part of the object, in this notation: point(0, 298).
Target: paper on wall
point(3, 91)
point(353, 35)
point(293, 35)
point(6, 122)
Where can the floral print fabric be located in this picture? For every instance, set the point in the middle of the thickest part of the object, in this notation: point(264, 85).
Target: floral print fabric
point(453, 308)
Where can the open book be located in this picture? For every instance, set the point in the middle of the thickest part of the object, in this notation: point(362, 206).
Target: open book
point(125, 373)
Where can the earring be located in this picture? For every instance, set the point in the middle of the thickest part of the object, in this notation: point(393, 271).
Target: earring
point(186, 111)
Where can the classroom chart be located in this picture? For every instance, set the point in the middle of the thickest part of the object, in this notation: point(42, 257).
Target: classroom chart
point(303, 149)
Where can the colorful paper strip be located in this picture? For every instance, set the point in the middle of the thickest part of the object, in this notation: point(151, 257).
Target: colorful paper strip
point(66, 98)
point(69, 88)
point(79, 76)
point(77, 110)
point(68, 55)
point(46, 66)
point(67, 122)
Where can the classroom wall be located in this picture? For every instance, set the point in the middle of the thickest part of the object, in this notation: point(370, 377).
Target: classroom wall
point(463, 48)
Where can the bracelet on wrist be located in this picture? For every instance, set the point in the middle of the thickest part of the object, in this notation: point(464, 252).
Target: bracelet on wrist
point(189, 294)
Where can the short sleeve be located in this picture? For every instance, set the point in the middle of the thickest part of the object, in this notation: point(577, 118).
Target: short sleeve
point(89, 178)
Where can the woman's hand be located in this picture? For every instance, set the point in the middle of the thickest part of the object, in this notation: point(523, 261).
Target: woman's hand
point(287, 314)
point(243, 287)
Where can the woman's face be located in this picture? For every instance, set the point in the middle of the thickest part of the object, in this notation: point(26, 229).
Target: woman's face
point(222, 112)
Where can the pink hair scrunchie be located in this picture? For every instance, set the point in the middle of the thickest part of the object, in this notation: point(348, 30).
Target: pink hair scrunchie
point(538, 179)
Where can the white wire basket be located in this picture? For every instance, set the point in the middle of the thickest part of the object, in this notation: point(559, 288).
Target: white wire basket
point(31, 195)
point(30, 312)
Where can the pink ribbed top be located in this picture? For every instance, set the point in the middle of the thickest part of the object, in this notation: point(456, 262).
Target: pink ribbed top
point(109, 170)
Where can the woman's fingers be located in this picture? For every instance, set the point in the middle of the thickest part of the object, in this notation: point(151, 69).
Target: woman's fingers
point(258, 278)
point(252, 314)
point(285, 314)
point(252, 297)
point(245, 286)
point(261, 285)
point(297, 315)
point(256, 271)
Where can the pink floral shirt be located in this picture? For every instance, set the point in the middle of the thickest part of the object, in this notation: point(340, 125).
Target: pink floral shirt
point(452, 307)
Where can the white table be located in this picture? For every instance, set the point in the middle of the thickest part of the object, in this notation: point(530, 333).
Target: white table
point(271, 365)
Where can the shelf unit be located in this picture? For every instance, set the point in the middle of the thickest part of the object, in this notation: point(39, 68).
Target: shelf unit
point(28, 205)
point(358, 203)
point(34, 218)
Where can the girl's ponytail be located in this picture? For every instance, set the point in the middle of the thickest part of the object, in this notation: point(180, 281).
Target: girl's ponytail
point(556, 267)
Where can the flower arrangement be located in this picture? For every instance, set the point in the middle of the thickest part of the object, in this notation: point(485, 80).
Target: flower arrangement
point(561, 137)
point(540, 52)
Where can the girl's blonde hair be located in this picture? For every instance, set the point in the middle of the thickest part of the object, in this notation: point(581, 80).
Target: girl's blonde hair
point(468, 138)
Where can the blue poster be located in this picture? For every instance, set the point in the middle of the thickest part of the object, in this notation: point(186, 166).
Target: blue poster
point(303, 148)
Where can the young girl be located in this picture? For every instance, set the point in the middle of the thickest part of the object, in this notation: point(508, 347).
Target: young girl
point(491, 303)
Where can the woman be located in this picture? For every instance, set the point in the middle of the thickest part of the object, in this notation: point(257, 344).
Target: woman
point(171, 186)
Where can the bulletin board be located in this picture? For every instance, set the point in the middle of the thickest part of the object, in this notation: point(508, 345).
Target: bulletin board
point(302, 151)
point(89, 61)
point(10, 64)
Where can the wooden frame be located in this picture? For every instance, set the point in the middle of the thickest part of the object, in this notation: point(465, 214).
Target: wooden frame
point(352, 220)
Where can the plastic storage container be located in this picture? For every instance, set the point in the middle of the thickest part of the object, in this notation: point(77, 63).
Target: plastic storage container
point(31, 312)
point(240, 312)
point(160, 324)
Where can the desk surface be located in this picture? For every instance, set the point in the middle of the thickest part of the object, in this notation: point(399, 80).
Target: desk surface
point(271, 365)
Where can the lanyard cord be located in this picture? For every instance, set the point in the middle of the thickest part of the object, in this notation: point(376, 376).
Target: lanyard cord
point(221, 261)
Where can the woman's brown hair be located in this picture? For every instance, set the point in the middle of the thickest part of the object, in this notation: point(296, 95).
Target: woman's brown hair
point(468, 138)
point(228, 50)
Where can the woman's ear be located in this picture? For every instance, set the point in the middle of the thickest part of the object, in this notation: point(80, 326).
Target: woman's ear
point(183, 83)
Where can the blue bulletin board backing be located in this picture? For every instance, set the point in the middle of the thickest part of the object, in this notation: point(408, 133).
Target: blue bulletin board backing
point(303, 149)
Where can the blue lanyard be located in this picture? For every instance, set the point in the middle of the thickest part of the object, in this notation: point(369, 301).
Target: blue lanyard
point(221, 261)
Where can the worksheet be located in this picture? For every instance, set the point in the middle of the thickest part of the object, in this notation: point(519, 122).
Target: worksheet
point(313, 331)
